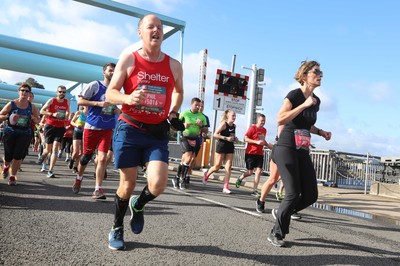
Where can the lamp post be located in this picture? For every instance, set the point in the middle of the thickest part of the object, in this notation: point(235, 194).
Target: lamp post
point(253, 83)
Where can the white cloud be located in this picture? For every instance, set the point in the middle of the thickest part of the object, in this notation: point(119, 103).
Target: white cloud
point(68, 10)
point(11, 77)
point(16, 12)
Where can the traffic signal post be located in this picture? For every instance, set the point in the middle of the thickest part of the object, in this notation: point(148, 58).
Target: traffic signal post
point(255, 93)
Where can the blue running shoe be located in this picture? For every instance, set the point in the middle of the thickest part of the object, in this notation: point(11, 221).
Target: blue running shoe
point(116, 239)
point(137, 219)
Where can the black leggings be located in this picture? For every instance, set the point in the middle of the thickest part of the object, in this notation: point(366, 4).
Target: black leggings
point(66, 145)
point(298, 176)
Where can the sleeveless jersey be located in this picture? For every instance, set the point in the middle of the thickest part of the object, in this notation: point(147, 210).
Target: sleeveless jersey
point(98, 117)
point(158, 79)
point(19, 120)
point(255, 133)
point(81, 120)
point(60, 107)
point(225, 146)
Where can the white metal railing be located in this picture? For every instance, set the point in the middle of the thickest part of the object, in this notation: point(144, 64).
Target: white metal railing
point(336, 168)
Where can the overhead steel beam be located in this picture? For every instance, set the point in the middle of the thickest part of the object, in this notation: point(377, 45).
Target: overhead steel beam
point(179, 25)
point(42, 65)
point(54, 51)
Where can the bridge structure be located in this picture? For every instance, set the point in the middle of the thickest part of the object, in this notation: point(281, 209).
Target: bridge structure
point(21, 55)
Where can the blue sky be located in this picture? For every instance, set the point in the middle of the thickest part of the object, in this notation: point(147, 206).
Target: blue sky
point(357, 43)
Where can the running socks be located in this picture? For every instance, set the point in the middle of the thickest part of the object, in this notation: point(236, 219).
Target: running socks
point(182, 170)
point(185, 169)
point(121, 205)
point(180, 166)
point(144, 198)
point(226, 185)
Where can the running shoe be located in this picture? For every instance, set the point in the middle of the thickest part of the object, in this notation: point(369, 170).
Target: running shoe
point(137, 218)
point(255, 193)
point(5, 171)
point(276, 239)
point(205, 177)
point(239, 181)
point(226, 190)
point(12, 181)
point(99, 194)
point(182, 183)
point(116, 239)
point(76, 187)
point(50, 174)
point(260, 206)
point(71, 164)
point(295, 216)
point(67, 159)
point(175, 181)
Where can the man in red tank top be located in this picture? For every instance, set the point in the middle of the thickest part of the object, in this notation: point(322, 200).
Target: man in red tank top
point(57, 111)
point(153, 93)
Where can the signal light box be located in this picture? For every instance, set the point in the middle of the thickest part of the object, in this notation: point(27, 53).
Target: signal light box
point(230, 91)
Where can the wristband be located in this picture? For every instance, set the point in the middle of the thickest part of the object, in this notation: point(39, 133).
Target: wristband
point(173, 112)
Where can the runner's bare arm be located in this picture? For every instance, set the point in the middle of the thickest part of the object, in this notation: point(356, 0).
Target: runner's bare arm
point(122, 71)
point(44, 110)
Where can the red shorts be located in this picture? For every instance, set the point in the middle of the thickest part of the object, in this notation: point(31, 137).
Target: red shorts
point(100, 139)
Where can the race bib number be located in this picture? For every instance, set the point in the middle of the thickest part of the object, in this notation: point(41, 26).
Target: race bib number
point(109, 110)
point(155, 98)
point(302, 138)
point(22, 121)
point(61, 114)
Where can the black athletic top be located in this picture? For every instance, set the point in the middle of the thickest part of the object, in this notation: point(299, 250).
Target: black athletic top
point(224, 146)
point(304, 120)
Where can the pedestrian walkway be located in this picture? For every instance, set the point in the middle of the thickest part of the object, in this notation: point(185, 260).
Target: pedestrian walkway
point(340, 200)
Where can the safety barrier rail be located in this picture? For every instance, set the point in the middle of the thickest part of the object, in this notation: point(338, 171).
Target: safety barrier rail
point(333, 168)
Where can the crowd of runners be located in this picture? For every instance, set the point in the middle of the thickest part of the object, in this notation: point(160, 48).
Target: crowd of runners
point(126, 118)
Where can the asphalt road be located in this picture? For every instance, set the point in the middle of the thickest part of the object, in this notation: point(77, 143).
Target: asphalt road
point(43, 223)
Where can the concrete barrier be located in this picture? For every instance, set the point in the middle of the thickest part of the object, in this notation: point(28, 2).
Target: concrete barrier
point(386, 190)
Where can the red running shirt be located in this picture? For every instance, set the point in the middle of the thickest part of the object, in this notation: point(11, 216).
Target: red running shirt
point(255, 133)
point(60, 107)
point(158, 79)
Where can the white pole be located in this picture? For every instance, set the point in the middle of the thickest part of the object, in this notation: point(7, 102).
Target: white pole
point(252, 93)
point(366, 174)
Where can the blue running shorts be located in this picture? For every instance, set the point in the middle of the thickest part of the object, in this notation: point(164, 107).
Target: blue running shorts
point(135, 147)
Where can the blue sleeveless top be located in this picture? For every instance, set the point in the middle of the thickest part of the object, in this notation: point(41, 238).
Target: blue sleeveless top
point(19, 120)
point(99, 117)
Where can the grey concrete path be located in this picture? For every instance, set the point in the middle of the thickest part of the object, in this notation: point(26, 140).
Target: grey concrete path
point(43, 223)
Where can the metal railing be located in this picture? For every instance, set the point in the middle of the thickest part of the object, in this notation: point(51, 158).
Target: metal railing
point(333, 168)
